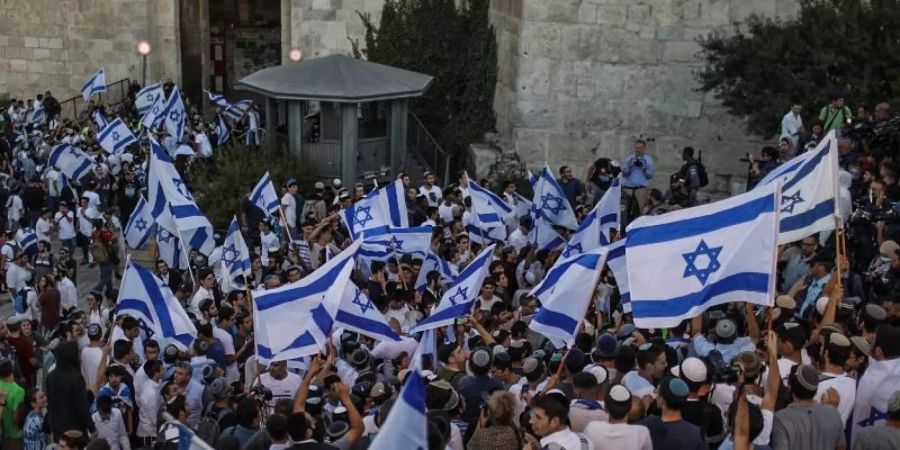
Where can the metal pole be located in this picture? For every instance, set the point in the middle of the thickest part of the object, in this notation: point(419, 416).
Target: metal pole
point(144, 71)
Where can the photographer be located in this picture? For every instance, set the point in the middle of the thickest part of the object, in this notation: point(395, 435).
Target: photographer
point(276, 383)
point(497, 427)
point(759, 168)
point(638, 171)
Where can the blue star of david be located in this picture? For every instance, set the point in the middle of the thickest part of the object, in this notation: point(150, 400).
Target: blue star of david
point(147, 330)
point(691, 259)
point(115, 136)
point(788, 202)
point(150, 97)
point(174, 115)
point(460, 292)
point(552, 203)
point(141, 224)
point(164, 236)
point(230, 254)
point(572, 249)
point(156, 109)
point(395, 243)
point(874, 416)
point(363, 305)
point(362, 215)
point(183, 190)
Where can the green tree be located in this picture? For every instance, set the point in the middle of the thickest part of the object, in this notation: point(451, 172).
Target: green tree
point(456, 44)
point(852, 46)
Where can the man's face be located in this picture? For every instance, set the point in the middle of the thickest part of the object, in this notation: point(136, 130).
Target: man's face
point(209, 281)
point(114, 380)
point(528, 308)
point(541, 424)
point(246, 325)
point(459, 356)
point(294, 275)
point(293, 189)
point(162, 267)
point(817, 129)
point(796, 109)
point(567, 173)
point(819, 270)
point(429, 180)
point(487, 291)
point(278, 370)
point(808, 247)
point(639, 148)
point(659, 366)
point(182, 376)
point(838, 103)
point(132, 332)
point(151, 353)
point(510, 188)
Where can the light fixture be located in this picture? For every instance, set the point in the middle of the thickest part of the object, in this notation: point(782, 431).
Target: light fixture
point(143, 48)
point(296, 54)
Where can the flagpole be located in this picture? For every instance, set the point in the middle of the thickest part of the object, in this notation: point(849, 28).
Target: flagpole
point(187, 255)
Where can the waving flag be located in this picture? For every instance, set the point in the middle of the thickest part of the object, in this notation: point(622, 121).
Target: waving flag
point(683, 262)
point(488, 213)
point(359, 314)
point(550, 202)
point(218, 99)
point(175, 114)
point(385, 242)
point(380, 207)
point(71, 161)
point(544, 237)
point(140, 225)
point(99, 118)
point(171, 203)
point(264, 196)
point(237, 110)
point(147, 96)
point(235, 256)
point(27, 238)
point(459, 299)
point(223, 131)
point(38, 117)
point(594, 230)
point(95, 84)
point(809, 192)
point(875, 388)
point(406, 422)
point(434, 263)
point(144, 297)
point(296, 319)
point(565, 294)
point(170, 250)
point(617, 263)
point(116, 137)
point(156, 113)
point(427, 349)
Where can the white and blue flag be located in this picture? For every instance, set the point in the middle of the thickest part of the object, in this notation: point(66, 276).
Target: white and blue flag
point(38, 117)
point(170, 201)
point(236, 110)
point(359, 314)
point(140, 225)
point(156, 112)
point(594, 230)
point(200, 239)
point(544, 237)
point(116, 137)
point(296, 319)
point(380, 207)
point(175, 114)
point(144, 297)
point(99, 118)
point(95, 84)
point(218, 99)
point(809, 192)
point(873, 393)
point(265, 197)
point(71, 161)
point(146, 97)
point(550, 202)
point(617, 263)
point(427, 349)
point(434, 263)
point(27, 238)
point(168, 244)
point(565, 294)
point(235, 256)
point(223, 131)
point(406, 425)
point(487, 221)
point(683, 262)
point(460, 297)
point(385, 242)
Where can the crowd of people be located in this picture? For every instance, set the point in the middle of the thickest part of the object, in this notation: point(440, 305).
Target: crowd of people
point(819, 369)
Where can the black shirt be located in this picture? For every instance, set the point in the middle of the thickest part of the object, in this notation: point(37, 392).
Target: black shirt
point(252, 212)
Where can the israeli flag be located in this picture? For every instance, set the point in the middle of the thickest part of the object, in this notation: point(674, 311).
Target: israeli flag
point(171, 203)
point(223, 131)
point(235, 256)
point(38, 117)
point(523, 206)
point(27, 239)
point(809, 192)
point(359, 314)
point(99, 118)
point(115, 137)
point(875, 388)
point(71, 161)
point(140, 225)
point(218, 99)
point(434, 263)
point(170, 250)
point(144, 297)
point(237, 110)
point(265, 197)
point(544, 237)
point(407, 422)
point(565, 295)
point(427, 349)
point(175, 114)
point(459, 299)
point(296, 319)
point(385, 242)
point(200, 239)
point(380, 207)
point(156, 113)
point(594, 230)
point(486, 223)
point(683, 262)
point(146, 97)
point(617, 263)
point(95, 84)
point(550, 202)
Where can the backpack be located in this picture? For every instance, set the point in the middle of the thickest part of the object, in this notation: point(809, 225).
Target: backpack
point(208, 427)
point(20, 301)
point(701, 174)
point(15, 249)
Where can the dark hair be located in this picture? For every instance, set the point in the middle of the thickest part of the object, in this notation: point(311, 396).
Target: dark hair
point(688, 151)
point(151, 343)
point(121, 348)
point(247, 412)
point(24, 408)
point(152, 367)
point(277, 427)
point(769, 151)
point(225, 313)
point(177, 405)
point(552, 407)
point(104, 404)
point(838, 355)
point(129, 323)
point(886, 336)
point(625, 359)
point(797, 388)
point(6, 368)
point(618, 410)
point(297, 426)
point(648, 356)
point(756, 418)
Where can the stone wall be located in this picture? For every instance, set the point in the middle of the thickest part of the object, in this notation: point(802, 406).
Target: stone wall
point(594, 74)
point(324, 27)
point(57, 45)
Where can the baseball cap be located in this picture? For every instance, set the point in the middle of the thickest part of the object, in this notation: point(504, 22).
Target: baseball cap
point(607, 346)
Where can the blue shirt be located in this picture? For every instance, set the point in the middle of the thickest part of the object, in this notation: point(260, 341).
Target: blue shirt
point(702, 347)
point(636, 176)
point(813, 292)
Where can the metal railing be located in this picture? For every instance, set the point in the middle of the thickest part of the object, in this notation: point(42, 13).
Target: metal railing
point(115, 93)
point(422, 145)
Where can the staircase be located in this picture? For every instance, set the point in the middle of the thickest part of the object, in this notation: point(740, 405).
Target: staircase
point(423, 153)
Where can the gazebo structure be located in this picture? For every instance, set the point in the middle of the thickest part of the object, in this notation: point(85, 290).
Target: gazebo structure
point(344, 117)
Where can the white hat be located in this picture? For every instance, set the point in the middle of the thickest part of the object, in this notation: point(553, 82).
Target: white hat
point(600, 373)
point(693, 369)
point(336, 182)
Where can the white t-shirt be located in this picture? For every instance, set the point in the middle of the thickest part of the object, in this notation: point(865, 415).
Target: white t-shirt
point(566, 439)
point(638, 385)
point(93, 198)
point(433, 195)
point(203, 143)
point(14, 208)
point(68, 293)
point(198, 297)
point(86, 218)
point(231, 373)
point(90, 361)
point(285, 388)
point(42, 229)
point(16, 277)
point(446, 212)
point(137, 344)
point(846, 388)
point(518, 239)
point(618, 436)
point(290, 209)
point(51, 177)
point(65, 224)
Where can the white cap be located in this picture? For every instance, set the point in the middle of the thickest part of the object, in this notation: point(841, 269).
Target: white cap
point(619, 393)
point(600, 373)
point(693, 369)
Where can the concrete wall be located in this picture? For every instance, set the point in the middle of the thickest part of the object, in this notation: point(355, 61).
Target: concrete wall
point(324, 27)
point(59, 44)
point(597, 73)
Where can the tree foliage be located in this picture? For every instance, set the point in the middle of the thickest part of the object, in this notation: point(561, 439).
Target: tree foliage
point(456, 44)
point(852, 46)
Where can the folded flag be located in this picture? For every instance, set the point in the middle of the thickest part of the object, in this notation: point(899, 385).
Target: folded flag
point(218, 99)
point(236, 110)
point(460, 297)
point(144, 297)
point(175, 114)
point(99, 118)
point(385, 242)
point(115, 137)
point(683, 262)
point(140, 225)
point(223, 131)
point(71, 161)
point(95, 84)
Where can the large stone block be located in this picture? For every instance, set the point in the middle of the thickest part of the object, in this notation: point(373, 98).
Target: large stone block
point(564, 11)
point(531, 145)
point(638, 13)
point(741, 11)
point(41, 53)
point(32, 42)
point(587, 13)
point(612, 14)
point(541, 39)
point(537, 113)
point(534, 79)
point(681, 52)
